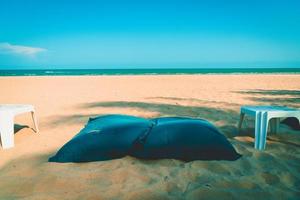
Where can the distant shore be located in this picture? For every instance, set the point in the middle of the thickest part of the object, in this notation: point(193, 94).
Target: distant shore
point(171, 71)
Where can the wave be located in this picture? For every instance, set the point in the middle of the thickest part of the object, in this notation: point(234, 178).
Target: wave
point(119, 72)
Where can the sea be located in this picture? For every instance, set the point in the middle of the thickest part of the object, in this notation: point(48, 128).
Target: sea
point(153, 71)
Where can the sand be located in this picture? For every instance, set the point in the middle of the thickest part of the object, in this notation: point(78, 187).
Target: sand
point(64, 104)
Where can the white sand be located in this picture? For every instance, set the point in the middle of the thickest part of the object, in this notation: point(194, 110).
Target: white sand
point(64, 104)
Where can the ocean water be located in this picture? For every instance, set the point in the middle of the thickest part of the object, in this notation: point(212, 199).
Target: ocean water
point(86, 72)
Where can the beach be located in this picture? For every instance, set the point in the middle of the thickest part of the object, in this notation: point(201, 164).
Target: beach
point(65, 103)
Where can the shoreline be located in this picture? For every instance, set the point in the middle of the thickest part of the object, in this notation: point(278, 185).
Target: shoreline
point(147, 71)
point(159, 75)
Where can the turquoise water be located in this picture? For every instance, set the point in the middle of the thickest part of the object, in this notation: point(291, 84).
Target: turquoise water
point(82, 72)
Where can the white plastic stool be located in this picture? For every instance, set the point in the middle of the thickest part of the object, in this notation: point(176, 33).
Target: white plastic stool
point(7, 114)
point(263, 114)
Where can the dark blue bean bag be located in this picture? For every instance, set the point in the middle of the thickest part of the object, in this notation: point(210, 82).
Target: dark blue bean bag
point(184, 139)
point(103, 138)
point(114, 136)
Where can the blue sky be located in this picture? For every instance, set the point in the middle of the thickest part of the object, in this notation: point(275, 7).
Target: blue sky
point(144, 34)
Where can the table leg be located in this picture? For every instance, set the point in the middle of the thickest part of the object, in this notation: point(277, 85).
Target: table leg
point(242, 115)
point(274, 124)
point(298, 117)
point(277, 122)
point(7, 131)
point(34, 122)
point(257, 129)
point(264, 130)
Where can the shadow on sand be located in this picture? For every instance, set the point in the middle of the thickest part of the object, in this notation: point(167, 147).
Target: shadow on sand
point(18, 127)
point(224, 115)
point(274, 97)
point(225, 119)
point(195, 100)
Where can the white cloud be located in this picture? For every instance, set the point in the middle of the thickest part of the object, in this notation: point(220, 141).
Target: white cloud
point(8, 48)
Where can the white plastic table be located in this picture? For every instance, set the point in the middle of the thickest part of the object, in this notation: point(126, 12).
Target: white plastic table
point(264, 114)
point(7, 114)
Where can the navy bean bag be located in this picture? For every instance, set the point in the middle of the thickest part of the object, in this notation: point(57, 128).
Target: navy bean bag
point(114, 136)
point(103, 138)
point(184, 139)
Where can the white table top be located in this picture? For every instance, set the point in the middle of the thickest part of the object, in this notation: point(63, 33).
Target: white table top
point(269, 108)
point(16, 108)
